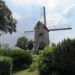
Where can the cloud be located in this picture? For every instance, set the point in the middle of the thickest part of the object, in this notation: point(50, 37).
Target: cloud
point(70, 7)
point(52, 18)
point(56, 18)
point(69, 11)
point(17, 16)
point(20, 2)
point(48, 3)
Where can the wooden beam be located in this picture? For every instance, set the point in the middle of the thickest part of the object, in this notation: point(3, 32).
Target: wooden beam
point(28, 31)
point(59, 29)
point(44, 15)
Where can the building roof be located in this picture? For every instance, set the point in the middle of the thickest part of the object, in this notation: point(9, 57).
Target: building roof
point(40, 23)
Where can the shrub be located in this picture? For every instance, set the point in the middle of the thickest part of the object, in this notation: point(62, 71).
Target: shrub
point(21, 58)
point(37, 59)
point(5, 65)
point(61, 61)
point(46, 65)
point(35, 63)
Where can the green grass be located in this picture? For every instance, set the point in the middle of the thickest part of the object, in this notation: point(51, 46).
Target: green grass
point(26, 72)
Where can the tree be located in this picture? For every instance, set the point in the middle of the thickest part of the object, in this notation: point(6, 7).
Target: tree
point(22, 42)
point(30, 45)
point(7, 22)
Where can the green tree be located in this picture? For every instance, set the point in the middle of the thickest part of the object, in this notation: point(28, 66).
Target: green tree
point(30, 45)
point(7, 22)
point(22, 42)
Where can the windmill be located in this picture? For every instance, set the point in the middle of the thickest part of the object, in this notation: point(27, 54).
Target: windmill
point(42, 33)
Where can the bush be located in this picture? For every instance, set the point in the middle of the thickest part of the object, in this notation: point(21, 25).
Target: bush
point(21, 58)
point(61, 61)
point(65, 57)
point(35, 63)
point(5, 65)
point(46, 65)
point(37, 59)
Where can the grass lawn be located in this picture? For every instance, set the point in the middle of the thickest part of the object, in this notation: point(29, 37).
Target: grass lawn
point(26, 72)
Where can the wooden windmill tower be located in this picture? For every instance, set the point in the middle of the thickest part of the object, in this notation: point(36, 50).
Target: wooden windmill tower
point(42, 34)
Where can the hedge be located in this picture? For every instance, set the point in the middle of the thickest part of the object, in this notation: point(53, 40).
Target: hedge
point(21, 58)
point(5, 65)
point(61, 61)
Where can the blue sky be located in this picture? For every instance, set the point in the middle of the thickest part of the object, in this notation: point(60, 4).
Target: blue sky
point(59, 13)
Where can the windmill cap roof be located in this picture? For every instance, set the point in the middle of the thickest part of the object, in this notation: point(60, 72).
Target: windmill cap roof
point(40, 23)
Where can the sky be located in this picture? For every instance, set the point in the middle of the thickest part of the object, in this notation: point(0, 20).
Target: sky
point(59, 13)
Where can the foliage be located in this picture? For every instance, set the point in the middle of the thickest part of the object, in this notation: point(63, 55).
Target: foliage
point(44, 57)
point(30, 45)
point(61, 61)
point(22, 42)
point(5, 65)
point(65, 56)
point(37, 59)
point(48, 49)
point(21, 58)
point(7, 22)
point(35, 63)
